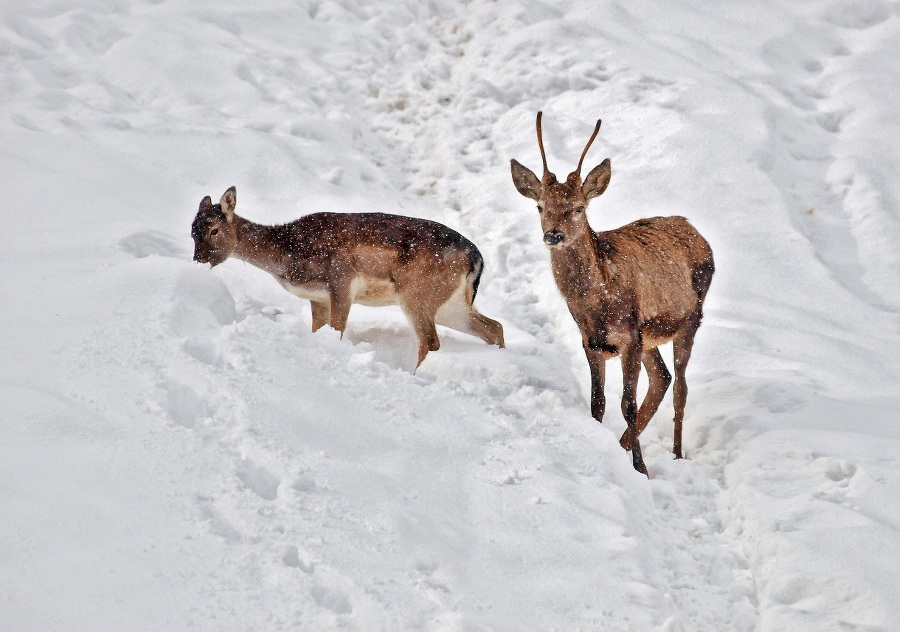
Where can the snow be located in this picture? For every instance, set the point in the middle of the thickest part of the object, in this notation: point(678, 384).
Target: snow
point(178, 451)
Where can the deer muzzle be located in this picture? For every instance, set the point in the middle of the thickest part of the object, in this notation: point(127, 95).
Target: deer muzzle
point(553, 237)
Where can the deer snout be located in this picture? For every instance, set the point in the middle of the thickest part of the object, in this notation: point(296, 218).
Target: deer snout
point(205, 255)
point(553, 237)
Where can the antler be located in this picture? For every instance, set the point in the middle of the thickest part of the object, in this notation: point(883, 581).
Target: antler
point(584, 153)
point(541, 143)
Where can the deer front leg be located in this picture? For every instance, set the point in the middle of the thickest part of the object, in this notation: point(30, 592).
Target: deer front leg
point(320, 315)
point(598, 376)
point(631, 370)
point(339, 292)
point(423, 324)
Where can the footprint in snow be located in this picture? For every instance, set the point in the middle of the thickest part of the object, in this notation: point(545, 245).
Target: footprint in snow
point(859, 15)
point(332, 599)
point(184, 404)
point(259, 480)
point(837, 470)
point(291, 559)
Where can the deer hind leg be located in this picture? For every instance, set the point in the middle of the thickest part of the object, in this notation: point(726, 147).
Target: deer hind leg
point(486, 328)
point(660, 378)
point(321, 312)
point(682, 344)
point(420, 298)
point(456, 314)
point(631, 370)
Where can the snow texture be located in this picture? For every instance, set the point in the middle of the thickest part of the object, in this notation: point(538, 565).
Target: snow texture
point(178, 451)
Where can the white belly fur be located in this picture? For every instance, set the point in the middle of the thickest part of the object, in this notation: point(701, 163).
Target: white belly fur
point(312, 291)
point(364, 290)
point(373, 292)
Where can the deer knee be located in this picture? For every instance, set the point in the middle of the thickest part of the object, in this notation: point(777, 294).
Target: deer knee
point(666, 378)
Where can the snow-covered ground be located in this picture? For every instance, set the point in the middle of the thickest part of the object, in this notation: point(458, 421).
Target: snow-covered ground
point(178, 451)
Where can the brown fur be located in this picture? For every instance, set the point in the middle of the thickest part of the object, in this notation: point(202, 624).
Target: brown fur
point(336, 259)
point(629, 290)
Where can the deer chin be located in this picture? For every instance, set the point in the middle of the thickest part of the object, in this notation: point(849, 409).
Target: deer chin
point(207, 260)
point(212, 257)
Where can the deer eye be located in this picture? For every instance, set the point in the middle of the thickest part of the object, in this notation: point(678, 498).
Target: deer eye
point(540, 209)
point(580, 209)
point(214, 231)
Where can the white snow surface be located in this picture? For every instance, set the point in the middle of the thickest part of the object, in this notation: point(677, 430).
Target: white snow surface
point(178, 451)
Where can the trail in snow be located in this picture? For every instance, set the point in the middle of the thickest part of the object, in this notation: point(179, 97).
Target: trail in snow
point(446, 159)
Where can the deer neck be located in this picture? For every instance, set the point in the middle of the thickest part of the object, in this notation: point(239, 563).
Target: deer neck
point(579, 269)
point(256, 246)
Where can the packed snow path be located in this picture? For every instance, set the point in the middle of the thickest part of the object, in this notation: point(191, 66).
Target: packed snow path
point(178, 451)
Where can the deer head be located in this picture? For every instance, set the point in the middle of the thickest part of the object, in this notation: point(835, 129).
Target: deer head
point(562, 204)
point(213, 229)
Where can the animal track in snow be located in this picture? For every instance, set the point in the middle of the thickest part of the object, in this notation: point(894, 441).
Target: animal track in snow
point(858, 15)
point(217, 522)
point(291, 558)
point(259, 480)
point(334, 600)
point(184, 404)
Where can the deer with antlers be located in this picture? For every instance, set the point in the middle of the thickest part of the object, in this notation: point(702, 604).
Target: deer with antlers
point(629, 289)
point(337, 259)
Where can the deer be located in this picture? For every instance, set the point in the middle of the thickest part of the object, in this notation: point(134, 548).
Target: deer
point(337, 259)
point(629, 290)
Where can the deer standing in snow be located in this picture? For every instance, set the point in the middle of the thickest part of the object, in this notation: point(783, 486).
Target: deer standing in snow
point(629, 290)
point(337, 259)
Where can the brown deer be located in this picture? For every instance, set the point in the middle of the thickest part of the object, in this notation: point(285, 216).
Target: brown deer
point(629, 290)
point(336, 259)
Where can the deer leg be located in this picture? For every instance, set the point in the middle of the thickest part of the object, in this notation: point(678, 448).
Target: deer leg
point(468, 321)
point(457, 313)
point(597, 365)
point(340, 306)
point(320, 314)
point(486, 328)
point(631, 370)
point(426, 333)
point(682, 345)
point(660, 378)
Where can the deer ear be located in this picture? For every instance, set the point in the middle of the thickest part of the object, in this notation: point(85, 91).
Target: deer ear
point(206, 203)
point(228, 202)
point(526, 182)
point(597, 180)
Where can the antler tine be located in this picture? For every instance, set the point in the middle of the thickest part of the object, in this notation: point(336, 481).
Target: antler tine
point(541, 143)
point(584, 153)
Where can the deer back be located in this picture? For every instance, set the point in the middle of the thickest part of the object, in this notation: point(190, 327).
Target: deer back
point(662, 259)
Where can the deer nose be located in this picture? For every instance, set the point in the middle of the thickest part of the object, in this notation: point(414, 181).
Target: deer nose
point(553, 237)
